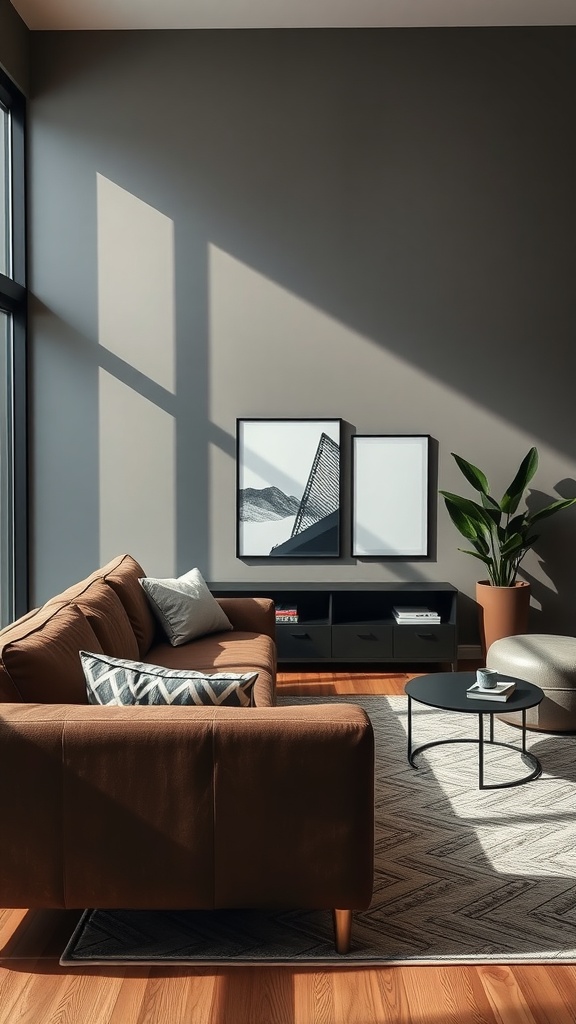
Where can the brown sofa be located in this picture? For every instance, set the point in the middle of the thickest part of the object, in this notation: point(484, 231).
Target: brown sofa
point(174, 807)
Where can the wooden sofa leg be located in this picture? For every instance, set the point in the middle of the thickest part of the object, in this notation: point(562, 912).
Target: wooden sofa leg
point(342, 930)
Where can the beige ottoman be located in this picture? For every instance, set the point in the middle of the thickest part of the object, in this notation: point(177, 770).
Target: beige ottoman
point(550, 663)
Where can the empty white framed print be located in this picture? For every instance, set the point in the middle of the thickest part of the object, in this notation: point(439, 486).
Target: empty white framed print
point(390, 495)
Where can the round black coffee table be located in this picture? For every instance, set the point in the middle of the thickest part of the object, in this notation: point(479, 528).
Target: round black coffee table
point(447, 691)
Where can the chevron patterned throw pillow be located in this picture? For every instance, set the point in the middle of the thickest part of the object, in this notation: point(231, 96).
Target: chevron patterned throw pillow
point(118, 681)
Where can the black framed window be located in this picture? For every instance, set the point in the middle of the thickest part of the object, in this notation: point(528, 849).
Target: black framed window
point(13, 304)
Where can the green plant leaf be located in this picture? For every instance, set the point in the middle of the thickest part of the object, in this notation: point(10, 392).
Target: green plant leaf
point(500, 546)
point(482, 545)
point(480, 516)
point(517, 525)
point(463, 523)
point(476, 554)
point(514, 492)
point(474, 476)
point(551, 509)
point(490, 503)
point(512, 545)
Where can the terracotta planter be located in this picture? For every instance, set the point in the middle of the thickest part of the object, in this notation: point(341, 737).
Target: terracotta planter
point(503, 611)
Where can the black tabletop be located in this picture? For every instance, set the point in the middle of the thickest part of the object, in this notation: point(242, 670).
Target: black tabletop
point(447, 690)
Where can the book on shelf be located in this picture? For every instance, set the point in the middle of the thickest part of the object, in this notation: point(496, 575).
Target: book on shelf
point(286, 613)
point(417, 620)
point(401, 611)
point(499, 692)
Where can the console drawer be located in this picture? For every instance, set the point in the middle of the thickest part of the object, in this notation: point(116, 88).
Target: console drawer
point(358, 642)
point(428, 643)
point(299, 642)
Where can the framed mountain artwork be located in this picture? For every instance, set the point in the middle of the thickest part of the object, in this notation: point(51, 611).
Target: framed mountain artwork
point(288, 488)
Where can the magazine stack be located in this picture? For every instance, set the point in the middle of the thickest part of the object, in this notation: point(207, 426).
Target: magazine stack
point(418, 616)
point(286, 613)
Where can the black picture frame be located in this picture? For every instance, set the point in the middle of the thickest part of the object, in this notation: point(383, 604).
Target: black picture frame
point(390, 495)
point(289, 488)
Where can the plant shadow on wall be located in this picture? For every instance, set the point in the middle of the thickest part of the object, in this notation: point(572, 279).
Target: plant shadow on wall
point(501, 532)
point(560, 595)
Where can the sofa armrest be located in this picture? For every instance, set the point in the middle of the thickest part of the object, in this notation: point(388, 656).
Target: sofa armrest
point(250, 614)
point(173, 807)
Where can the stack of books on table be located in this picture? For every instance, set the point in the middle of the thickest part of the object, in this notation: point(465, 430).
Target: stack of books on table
point(286, 613)
point(499, 692)
point(415, 616)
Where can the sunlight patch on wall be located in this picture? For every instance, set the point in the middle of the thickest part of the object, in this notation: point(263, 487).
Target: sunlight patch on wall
point(136, 324)
point(136, 295)
point(273, 342)
point(293, 359)
point(137, 478)
point(273, 353)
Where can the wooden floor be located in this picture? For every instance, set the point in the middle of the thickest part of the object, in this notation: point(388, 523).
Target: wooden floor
point(34, 989)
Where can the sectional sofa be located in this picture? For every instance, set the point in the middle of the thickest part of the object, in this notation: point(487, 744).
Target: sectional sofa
point(174, 806)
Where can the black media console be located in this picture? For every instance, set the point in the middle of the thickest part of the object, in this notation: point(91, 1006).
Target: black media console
point(345, 622)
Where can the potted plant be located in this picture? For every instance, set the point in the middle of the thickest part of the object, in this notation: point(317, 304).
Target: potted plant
point(500, 536)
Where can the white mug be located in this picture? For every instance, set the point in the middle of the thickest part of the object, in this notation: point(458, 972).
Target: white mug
point(486, 678)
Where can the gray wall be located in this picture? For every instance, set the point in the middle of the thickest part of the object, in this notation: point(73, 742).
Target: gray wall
point(14, 45)
point(377, 225)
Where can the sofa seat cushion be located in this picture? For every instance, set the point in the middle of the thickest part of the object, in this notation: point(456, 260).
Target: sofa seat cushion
point(225, 652)
point(40, 655)
point(222, 650)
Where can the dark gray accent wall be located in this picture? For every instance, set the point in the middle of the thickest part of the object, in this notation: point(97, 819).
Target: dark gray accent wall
point(374, 225)
point(14, 45)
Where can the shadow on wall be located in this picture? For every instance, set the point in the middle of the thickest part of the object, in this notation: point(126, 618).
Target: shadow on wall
point(417, 253)
point(553, 607)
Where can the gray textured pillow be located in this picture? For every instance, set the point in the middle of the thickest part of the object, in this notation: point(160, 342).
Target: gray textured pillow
point(120, 681)
point(185, 607)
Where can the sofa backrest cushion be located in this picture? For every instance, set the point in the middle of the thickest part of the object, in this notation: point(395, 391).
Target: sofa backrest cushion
point(40, 654)
point(8, 692)
point(123, 574)
point(109, 620)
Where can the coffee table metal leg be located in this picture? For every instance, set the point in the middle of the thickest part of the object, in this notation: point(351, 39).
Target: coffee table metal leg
point(410, 730)
point(531, 758)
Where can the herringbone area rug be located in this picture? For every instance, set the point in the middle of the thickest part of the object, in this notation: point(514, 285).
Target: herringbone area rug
point(462, 875)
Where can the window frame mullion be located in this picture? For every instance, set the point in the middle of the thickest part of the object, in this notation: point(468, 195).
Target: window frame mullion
point(12, 294)
point(14, 302)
